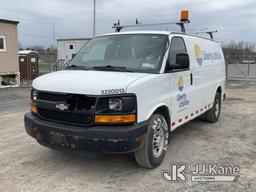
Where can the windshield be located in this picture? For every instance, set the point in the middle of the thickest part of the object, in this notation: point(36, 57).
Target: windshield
point(134, 53)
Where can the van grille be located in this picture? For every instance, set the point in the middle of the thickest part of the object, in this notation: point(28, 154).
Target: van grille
point(52, 96)
point(81, 119)
point(80, 107)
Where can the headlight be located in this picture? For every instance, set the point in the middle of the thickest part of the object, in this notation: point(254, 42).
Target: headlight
point(34, 95)
point(126, 104)
point(115, 104)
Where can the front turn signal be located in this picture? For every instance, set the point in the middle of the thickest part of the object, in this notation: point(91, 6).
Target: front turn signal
point(115, 118)
point(33, 108)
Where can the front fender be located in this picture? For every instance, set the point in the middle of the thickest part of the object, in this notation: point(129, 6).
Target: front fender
point(152, 91)
point(151, 112)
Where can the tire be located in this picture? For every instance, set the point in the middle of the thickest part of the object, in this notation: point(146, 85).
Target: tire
point(213, 114)
point(154, 150)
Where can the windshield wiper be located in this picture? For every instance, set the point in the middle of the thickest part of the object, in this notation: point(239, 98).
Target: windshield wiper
point(112, 68)
point(77, 67)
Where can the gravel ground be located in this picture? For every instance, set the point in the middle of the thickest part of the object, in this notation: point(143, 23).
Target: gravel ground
point(27, 166)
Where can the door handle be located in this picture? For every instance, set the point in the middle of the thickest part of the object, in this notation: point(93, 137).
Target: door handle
point(191, 79)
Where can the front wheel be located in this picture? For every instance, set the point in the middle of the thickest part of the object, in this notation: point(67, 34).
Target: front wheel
point(153, 152)
point(213, 114)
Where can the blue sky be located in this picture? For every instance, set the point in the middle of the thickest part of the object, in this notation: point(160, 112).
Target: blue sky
point(234, 19)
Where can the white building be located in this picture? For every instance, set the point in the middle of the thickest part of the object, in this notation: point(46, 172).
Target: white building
point(67, 47)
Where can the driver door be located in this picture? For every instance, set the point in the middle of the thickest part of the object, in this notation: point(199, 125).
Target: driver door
point(181, 83)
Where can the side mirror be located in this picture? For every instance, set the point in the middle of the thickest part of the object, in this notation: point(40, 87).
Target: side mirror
point(182, 59)
point(182, 62)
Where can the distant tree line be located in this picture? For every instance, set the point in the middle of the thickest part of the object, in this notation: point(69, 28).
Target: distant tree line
point(237, 52)
point(38, 48)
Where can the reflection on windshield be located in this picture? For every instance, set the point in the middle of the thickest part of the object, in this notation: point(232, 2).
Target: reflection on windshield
point(137, 52)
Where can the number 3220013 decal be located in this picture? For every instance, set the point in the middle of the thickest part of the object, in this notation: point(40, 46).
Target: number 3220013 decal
point(112, 91)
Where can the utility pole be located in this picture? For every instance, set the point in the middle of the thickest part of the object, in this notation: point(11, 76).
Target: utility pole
point(53, 32)
point(94, 17)
point(244, 51)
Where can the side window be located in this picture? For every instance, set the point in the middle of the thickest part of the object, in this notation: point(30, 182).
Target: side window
point(2, 44)
point(177, 46)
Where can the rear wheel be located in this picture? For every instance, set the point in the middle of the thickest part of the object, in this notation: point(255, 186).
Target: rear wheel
point(153, 152)
point(213, 114)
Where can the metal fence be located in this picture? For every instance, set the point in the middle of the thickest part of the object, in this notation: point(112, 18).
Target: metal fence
point(46, 60)
point(241, 67)
point(241, 71)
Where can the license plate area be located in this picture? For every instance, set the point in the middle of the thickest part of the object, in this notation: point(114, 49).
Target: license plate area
point(60, 139)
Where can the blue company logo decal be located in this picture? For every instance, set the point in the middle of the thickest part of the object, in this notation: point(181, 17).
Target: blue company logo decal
point(203, 55)
point(181, 83)
point(182, 98)
point(198, 54)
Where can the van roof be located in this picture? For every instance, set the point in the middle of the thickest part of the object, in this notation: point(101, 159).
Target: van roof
point(157, 33)
point(138, 32)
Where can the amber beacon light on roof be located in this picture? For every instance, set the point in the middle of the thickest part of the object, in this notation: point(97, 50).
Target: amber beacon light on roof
point(184, 16)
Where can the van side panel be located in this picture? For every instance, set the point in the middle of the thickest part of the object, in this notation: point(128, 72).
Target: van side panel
point(207, 73)
point(207, 68)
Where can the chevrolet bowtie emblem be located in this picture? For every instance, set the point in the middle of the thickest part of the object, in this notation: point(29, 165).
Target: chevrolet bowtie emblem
point(62, 106)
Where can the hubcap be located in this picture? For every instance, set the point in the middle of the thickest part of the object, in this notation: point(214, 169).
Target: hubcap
point(217, 108)
point(159, 138)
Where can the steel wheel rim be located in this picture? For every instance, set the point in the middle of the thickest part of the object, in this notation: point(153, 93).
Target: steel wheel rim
point(158, 139)
point(217, 108)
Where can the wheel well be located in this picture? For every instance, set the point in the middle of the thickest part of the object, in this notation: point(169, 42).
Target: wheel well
point(219, 90)
point(163, 110)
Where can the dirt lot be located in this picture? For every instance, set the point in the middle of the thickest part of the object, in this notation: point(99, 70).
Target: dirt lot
point(27, 166)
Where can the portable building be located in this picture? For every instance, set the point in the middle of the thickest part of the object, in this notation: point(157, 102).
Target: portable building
point(9, 66)
point(68, 47)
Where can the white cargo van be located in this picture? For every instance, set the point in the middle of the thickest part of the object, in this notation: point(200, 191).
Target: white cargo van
point(126, 92)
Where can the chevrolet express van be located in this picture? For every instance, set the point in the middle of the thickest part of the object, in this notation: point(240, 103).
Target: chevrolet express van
point(126, 92)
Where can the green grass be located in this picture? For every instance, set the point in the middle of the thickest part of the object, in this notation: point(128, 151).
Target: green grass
point(45, 65)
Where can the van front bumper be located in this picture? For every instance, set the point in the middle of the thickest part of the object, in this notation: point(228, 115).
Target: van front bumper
point(106, 139)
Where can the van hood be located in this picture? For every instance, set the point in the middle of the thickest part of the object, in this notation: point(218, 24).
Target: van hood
point(85, 82)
